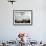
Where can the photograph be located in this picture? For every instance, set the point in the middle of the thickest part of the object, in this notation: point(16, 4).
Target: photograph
point(22, 16)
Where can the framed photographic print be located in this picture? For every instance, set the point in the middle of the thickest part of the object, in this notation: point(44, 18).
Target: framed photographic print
point(22, 17)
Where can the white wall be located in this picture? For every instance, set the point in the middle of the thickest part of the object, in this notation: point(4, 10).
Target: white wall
point(38, 30)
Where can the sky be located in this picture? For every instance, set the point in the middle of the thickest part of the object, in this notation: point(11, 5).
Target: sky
point(27, 16)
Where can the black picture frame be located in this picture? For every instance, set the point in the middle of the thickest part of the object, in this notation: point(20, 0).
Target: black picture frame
point(24, 13)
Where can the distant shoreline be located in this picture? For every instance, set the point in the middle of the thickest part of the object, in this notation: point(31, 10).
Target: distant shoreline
point(22, 21)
